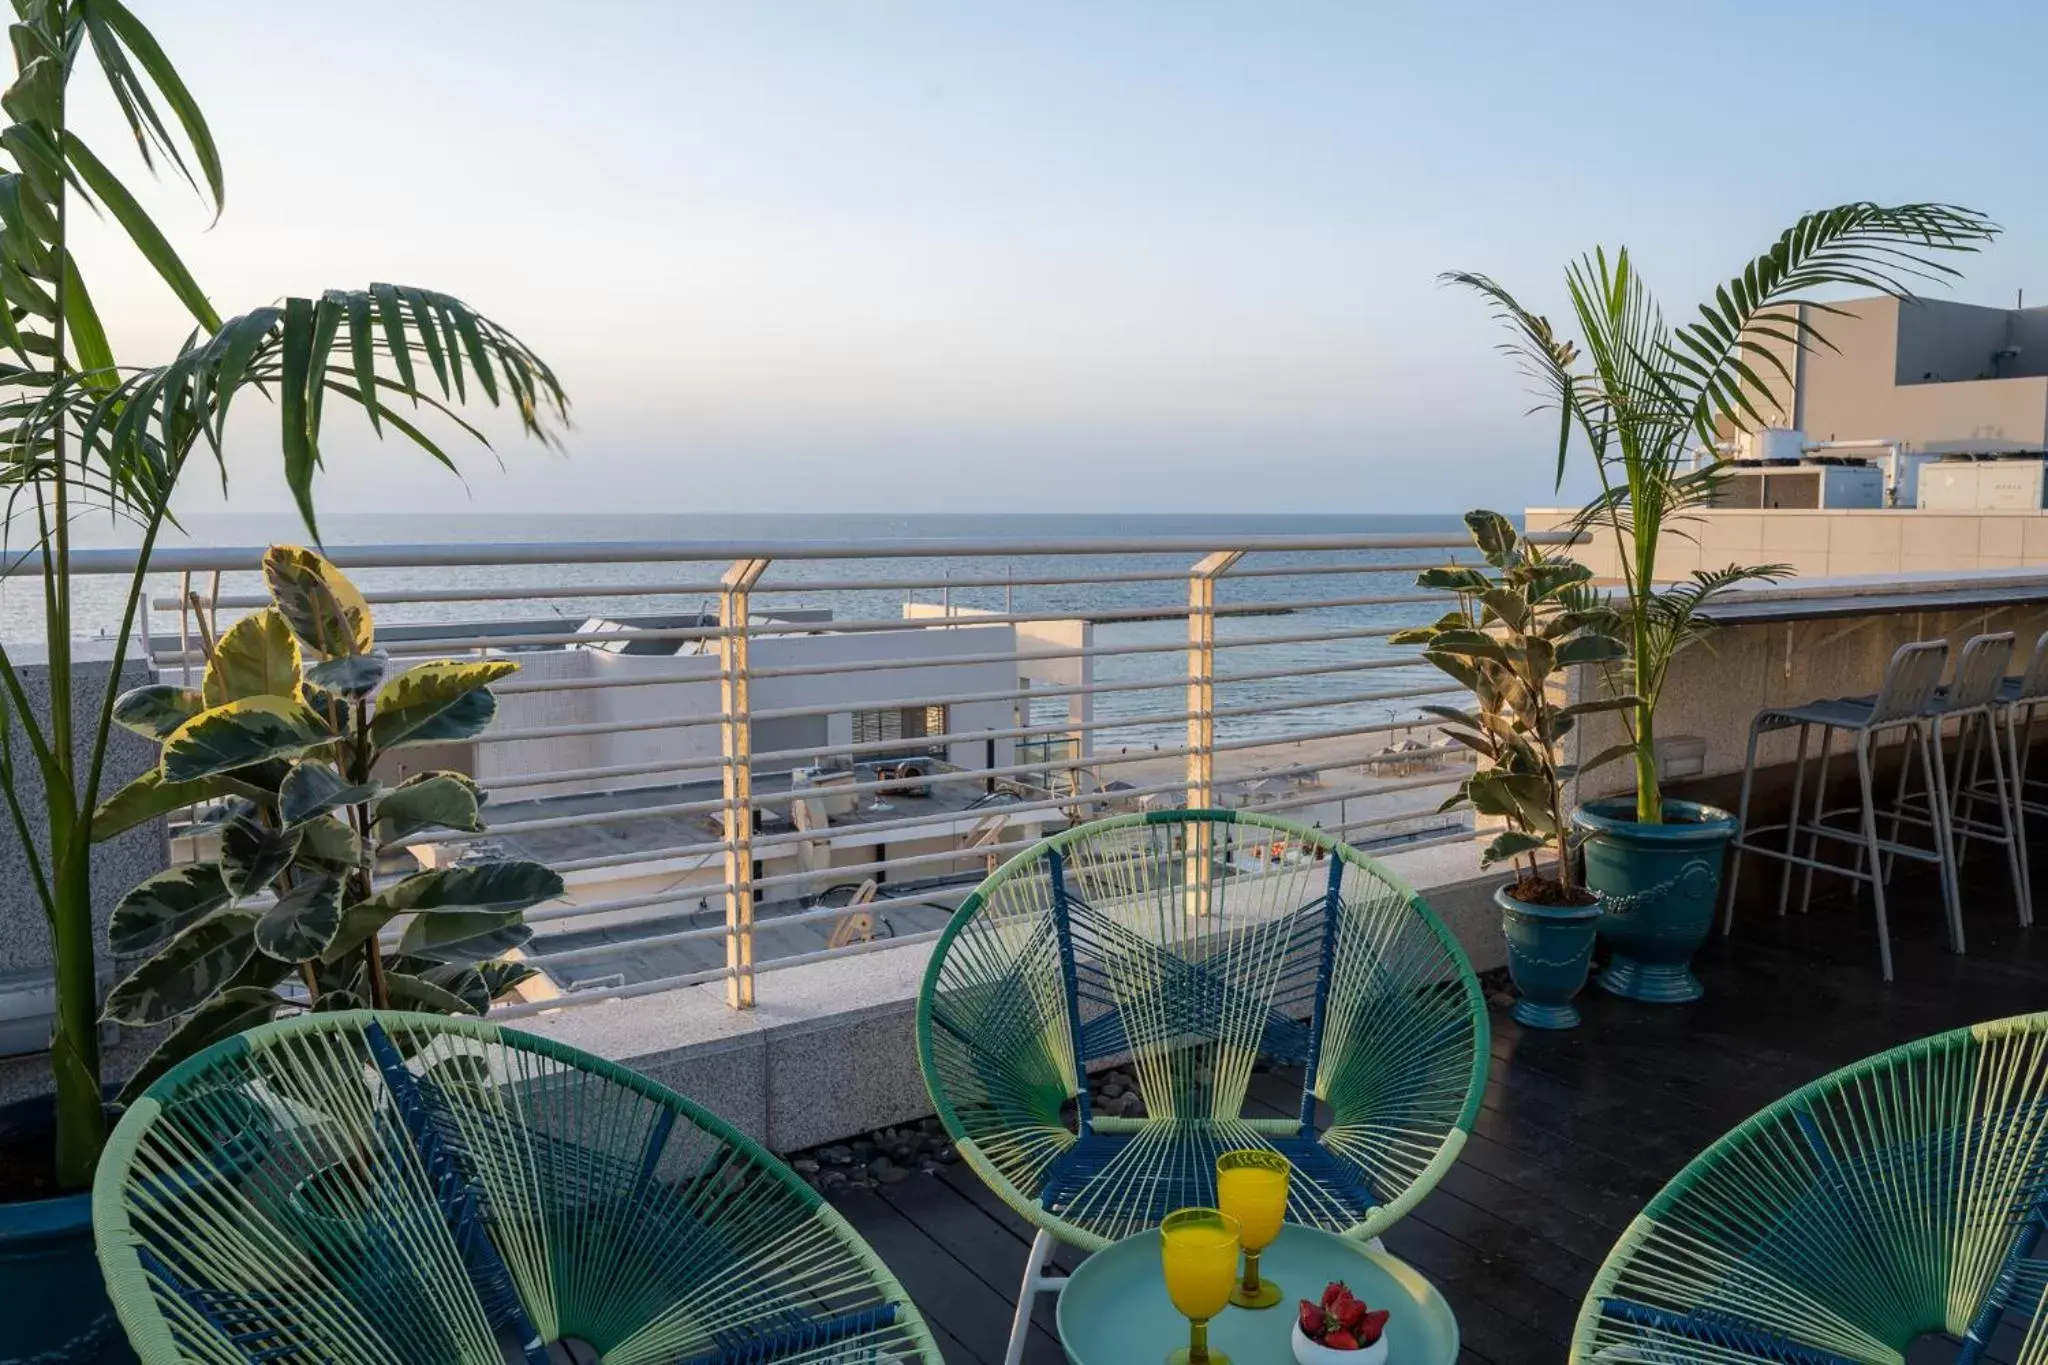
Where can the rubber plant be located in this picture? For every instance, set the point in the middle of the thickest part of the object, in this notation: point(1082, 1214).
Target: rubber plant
point(281, 744)
point(82, 433)
point(1645, 395)
point(1507, 641)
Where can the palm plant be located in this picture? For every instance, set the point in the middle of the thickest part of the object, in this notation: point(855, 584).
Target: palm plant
point(81, 433)
point(1644, 394)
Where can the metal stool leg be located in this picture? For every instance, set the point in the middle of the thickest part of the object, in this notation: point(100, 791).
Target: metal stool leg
point(1884, 933)
point(2007, 819)
point(1820, 797)
point(1944, 836)
point(2019, 813)
point(1791, 820)
point(1742, 823)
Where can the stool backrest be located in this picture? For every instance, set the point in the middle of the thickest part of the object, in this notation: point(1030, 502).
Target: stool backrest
point(2034, 682)
point(1980, 668)
point(1910, 680)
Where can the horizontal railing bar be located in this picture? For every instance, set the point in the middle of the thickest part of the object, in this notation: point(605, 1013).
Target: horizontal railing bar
point(763, 799)
point(576, 999)
point(194, 559)
point(400, 596)
point(1320, 797)
point(870, 626)
point(799, 756)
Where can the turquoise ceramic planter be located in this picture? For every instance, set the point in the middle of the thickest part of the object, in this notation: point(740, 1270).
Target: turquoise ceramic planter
point(59, 1310)
point(1658, 886)
point(1550, 948)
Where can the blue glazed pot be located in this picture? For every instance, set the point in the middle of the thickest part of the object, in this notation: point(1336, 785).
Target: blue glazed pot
point(47, 1260)
point(1550, 948)
point(1658, 885)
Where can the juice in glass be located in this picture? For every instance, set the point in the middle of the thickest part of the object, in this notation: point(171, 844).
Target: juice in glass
point(1198, 1252)
point(1251, 1186)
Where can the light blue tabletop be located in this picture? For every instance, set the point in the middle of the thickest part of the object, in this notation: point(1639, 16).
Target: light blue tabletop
point(1114, 1311)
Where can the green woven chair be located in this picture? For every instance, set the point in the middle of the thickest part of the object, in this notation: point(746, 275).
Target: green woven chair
point(1179, 942)
point(1898, 1197)
point(444, 1191)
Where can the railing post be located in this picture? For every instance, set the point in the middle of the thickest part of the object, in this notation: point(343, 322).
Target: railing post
point(736, 734)
point(1201, 762)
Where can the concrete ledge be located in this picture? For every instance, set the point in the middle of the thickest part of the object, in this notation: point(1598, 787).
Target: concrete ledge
point(830, 1051)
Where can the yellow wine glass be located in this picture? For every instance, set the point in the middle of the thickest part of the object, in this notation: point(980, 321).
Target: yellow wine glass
point(1251, 1186)
point(1198, 1251)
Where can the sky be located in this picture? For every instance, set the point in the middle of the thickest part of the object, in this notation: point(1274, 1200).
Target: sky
point(1172, 257)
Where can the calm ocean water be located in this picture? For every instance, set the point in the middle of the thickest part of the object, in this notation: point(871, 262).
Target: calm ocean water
point(97, 600)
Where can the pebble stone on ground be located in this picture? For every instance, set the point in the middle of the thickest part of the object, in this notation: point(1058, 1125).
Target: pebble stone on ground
point(921, 1147)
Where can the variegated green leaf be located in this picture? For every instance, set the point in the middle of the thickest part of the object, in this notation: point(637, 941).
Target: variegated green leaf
point(415, 993)
point(326, 843)
point(432, 932)
point(354, 676)
point(258, 657)
point(238, 734)
point(148, 797)
point(441, 800)
point(325, 610)
point(411, 704)
point(495, 887)
point(164, 904)
point(252, 854)
point(185, 972)
point(484, 947)
point(157, 710)
point(302, 922)
point(235, 1010)
point(314, 788)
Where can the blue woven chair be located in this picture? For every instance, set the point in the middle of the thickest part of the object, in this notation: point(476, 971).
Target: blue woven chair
point(1193, 945)
point(447, 1192)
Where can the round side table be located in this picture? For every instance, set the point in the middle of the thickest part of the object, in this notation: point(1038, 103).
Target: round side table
point(1114, 1309)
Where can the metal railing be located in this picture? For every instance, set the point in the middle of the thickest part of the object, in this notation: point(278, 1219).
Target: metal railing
point(706, 748)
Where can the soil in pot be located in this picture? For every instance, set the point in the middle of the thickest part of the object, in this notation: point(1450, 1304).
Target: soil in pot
point(1548, 891)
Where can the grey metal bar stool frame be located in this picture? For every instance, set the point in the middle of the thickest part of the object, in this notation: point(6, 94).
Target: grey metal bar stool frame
point(2021, 697)
point(1974, 703)
point(1905, 704)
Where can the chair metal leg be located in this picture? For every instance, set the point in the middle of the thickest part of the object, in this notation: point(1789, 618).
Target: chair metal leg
point(1820, 798)
point(2008, 818)
point(1791, 820)
point(2019, 814)
point(1742, 823)
point(1035, 1282)
point(1944, 835)
point(1884, 933)
point(1899, 803)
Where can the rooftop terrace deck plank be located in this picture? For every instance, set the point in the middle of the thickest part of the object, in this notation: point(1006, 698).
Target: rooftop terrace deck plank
point(1577, 1129)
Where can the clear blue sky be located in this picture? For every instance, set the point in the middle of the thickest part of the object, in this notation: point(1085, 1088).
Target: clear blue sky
point(1047, 256)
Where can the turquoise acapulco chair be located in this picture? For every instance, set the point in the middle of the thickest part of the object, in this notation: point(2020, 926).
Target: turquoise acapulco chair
point(1898, 1198)
point(439, 1191)
point(1191, 945)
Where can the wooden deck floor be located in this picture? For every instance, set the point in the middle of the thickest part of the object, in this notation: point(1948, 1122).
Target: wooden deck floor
point(1578, 1129)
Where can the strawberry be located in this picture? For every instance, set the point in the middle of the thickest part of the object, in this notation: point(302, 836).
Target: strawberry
point(1374, 1324)
point(1341, 1340)
point(1333, 1291)
point(1311, 1319)
point(1351, 1314)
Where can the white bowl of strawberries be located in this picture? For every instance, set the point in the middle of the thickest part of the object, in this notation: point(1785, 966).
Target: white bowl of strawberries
point(1340, 1330)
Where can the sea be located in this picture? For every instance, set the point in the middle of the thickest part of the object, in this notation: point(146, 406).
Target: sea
point(96, 609)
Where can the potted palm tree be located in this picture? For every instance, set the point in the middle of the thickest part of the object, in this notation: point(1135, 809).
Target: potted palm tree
point(1646, 397)
point(85, 434)
point(1508, 641)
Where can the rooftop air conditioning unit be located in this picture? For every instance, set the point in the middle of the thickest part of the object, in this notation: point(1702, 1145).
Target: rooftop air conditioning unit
point(2016, 482)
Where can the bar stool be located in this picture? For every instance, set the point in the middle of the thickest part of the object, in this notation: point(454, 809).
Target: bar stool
point(2021, 697)
point(1905, 703)
point(1972, 700)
